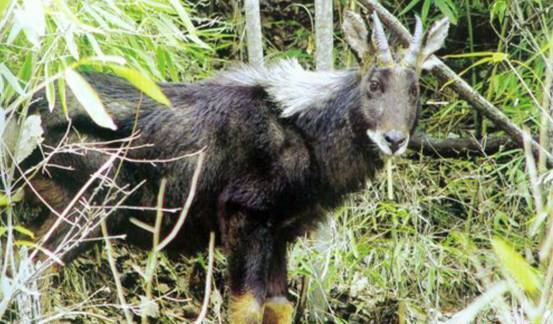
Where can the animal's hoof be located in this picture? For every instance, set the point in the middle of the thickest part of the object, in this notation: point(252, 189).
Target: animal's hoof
point(245, 309)
point(278, 310)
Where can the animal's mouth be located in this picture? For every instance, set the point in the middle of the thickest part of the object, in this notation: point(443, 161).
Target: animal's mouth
point(385, 147)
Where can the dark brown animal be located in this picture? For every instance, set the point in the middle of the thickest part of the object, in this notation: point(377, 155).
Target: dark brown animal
point(282, 145)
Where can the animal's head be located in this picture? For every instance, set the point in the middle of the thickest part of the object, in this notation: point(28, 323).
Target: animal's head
point(389, 84)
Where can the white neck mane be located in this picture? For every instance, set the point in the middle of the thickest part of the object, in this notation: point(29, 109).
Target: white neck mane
point(292, 87)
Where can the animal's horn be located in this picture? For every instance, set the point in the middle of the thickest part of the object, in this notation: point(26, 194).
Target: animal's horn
point(380, 42)
point(413, 54)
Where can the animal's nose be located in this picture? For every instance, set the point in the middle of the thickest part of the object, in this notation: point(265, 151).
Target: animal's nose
point(395, 139)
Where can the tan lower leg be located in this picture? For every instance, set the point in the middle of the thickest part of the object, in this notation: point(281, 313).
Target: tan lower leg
point(278, 310)
point(245, 309)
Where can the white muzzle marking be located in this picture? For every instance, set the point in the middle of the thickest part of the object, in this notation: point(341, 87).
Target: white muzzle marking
point(383, 145)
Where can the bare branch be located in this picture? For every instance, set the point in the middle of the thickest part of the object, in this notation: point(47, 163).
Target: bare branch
point(460, 147)
point(187, 204)
point(209, 275)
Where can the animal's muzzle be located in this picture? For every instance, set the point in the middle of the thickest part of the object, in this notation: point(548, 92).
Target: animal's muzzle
point(392, 142)
point(395, 139)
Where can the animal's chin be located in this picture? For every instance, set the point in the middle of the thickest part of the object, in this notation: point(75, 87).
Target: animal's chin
point(383, 148)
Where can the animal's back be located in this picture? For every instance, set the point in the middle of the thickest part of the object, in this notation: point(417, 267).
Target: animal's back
point(248, 149)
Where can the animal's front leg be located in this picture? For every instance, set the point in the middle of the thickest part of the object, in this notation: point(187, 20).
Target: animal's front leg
point(249, 245)
point(278, 310)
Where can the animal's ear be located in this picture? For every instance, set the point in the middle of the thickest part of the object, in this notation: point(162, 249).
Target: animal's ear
point(434, 41)
point(356, 34)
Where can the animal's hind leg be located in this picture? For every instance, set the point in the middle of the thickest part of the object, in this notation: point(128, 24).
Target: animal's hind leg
point(249, 246)
point(278, 310)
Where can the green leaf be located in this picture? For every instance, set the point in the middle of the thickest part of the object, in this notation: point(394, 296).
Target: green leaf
point(12, 81)
point(188, 23)
point(121, 21)
point(4, 201)
point(61, 93)
point(22, 230)
point(30, 136)
point(446, 10)
point(18, 196)
point(3, 6)
point(26, 70)
point(32, 19)
point(498, 10)
point(88, 98)
point(469, 55)
point(425, 8)
point(141, 82)
point(517, 267)
point(137, 79)
point(72, 46)
point(409, 7)
point(50, 89)
point(25, 243)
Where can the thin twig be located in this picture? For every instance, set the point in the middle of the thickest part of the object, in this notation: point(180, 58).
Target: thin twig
point(207, 291)
point(113, 267)
point(187, 204)
point(77, 196)
point(152, 260)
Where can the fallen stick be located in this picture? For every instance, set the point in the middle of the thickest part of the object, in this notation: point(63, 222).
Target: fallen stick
point(460, 147)
point(465, 91)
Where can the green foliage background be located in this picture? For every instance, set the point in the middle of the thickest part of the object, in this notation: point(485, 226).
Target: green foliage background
point(422, 257)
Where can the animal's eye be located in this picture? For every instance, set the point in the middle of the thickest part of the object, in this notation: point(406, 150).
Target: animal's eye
point(374, 86)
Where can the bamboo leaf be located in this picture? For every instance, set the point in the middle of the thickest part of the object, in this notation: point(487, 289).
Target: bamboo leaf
point(50, 89)
point(445, 8)
point(11, 79)
point(141, 82)
point(516, 266)
point(498, 10)
point(137, 79)
point(70, 43)
point(25, 243)
point(61, 93)
point(408, 7)
point(425, 9)
point(31, 18)
point(22, 230)
point(26, 70)
point(89, 99)
point(17, 196)
point(4, 201)
point(30, 136)
point(187, 22)
point(470, 55)
point(3, 6)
